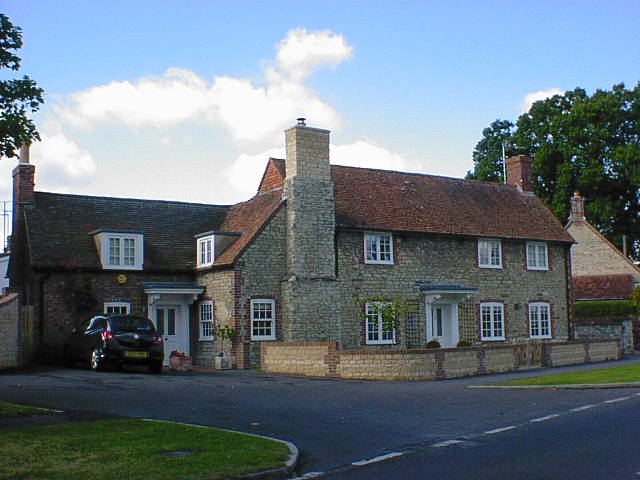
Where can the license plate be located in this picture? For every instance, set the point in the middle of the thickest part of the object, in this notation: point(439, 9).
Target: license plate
point(136, 354)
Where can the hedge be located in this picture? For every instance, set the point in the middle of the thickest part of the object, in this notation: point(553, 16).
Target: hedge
point(604, 308)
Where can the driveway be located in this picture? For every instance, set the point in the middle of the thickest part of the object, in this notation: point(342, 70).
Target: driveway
point(333, 422)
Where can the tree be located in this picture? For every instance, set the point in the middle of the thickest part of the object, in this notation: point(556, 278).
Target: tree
point(17, 97)
point(589, 144)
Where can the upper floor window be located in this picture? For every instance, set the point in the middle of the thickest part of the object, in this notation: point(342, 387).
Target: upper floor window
point(206, 320)
point(263, 319)
point(537, 256)
point(492, 321)
point(378, 248)
point(120, 250)
point(117, 307)
point(205, 251)
point(489, 253)
point(539, 320)
point(376, 331)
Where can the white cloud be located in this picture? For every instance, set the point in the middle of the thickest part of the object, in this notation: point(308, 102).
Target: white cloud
point(254, 113)
point(531, 98)
point(245, 173)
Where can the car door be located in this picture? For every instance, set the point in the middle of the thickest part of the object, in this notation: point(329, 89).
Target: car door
point(91, 336)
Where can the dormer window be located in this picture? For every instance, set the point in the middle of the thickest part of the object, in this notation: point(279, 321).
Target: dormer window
point(120, 250)
point(205, 251)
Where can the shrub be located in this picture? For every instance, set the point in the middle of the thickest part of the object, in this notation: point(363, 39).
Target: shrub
point(604, 308)
point(463, 343)
point(433, 344)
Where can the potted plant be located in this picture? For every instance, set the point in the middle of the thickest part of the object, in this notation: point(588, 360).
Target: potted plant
point(180, 361)
point(224, 332)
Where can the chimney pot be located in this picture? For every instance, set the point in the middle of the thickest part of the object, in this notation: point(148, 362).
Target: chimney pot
point(24, 154)
point(301, 122)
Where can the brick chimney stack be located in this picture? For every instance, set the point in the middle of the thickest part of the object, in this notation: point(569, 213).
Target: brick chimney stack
point(519, 172)
point(577, 208)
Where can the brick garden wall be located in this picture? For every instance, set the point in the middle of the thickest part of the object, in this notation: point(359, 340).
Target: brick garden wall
point(324, 359)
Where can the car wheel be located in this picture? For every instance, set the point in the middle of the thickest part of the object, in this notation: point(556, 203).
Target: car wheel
point(67, 358)
point(155, 367)
point(96, 361)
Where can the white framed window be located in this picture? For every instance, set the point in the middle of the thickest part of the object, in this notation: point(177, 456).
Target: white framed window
point(205, 310)
point(263, 319)
point(120, 250)
point(537, 256)
point(378, 248)
point(492, 321)
point(375, 333)
point(205, 251)
point(117, 307)
point(539, 320)
point(489, 253)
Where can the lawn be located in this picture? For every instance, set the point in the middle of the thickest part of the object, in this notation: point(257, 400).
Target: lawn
point(12, 410)
point(133, 449)
point(624, 374)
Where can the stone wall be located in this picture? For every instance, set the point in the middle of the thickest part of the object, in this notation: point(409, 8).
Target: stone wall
point(325, 359)
point(10, 335)
point(620, 329)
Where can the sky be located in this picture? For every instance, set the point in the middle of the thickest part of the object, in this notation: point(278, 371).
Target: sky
point(186, 100)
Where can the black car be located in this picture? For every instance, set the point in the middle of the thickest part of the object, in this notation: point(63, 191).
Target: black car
point(116, 339)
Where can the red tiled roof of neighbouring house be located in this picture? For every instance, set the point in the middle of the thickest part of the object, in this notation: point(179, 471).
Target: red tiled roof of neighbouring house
point(411, 202)
point(602, 287)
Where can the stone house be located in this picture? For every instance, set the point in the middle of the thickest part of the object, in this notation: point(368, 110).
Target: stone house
point(303, 260)
point(599, 271)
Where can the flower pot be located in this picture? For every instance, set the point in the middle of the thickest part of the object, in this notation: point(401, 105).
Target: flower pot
point(180, 364)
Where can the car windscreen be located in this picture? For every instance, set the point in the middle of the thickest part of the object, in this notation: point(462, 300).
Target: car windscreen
point(131, 324)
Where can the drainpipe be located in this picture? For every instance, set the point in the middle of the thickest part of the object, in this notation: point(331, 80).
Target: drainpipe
point(567, 267)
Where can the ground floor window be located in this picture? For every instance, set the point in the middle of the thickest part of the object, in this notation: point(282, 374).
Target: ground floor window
point(117, 307)
point(539, 320)
point(375, 331)
point(206, 320)
point(263, 319)
point(492, 321)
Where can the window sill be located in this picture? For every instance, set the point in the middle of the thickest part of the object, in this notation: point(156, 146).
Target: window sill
point(373, 262)
point(538, 269)
point(263, 339)
point(381, 342)
point(492, 339)
point(206, 339)
point(494, 267)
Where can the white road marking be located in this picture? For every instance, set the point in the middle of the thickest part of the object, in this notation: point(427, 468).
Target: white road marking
point(582, 408)
point(381, 458)
point(544, 419)
point(500, 430)
point(309, 475)
point(446, 443)
point(615, 400)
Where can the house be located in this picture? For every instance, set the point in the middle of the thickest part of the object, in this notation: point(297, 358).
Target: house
point(600, 272)
point(482, 262)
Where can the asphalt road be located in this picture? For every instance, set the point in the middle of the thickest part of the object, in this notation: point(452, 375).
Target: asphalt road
point(336, 423)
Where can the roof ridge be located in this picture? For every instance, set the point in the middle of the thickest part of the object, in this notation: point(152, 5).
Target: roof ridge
point(129, 199)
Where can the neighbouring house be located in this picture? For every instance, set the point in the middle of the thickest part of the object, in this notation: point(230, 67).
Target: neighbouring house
point(483, 262)
point(600, 273)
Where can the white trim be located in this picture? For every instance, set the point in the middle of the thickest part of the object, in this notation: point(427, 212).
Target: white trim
point(103, 241)
point(532, 261)
point(126, 305)
point(494, 307)
point(376, 238)
point(272, 319)
point(379, 328)
point(535, 309)
point(489, 242)
point(209, 253)
point(201, 320)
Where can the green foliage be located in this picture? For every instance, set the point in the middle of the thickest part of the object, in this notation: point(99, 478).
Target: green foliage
point(589, 144)
point(224, 332)
point(391, 311)
point(17, 97)
point(464, 343)
point(636, 299)
point(604, 308)
point(433, 344)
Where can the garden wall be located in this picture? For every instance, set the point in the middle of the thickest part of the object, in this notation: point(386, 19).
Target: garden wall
point(325, 359)
point(10, 338)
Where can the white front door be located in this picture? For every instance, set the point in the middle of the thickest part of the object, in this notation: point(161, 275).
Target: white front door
point(442, 324)
point(171, 326)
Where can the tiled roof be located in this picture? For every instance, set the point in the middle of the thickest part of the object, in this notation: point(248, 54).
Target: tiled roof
point(249, 218)
point(410, 202)
point(59, 226)
point(602, 287)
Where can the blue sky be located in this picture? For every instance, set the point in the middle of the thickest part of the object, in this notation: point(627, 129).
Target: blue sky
point(185, 100)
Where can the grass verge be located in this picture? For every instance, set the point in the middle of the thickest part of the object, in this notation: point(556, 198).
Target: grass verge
point(13, 410)
point(624, 374)
point(133, 449)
